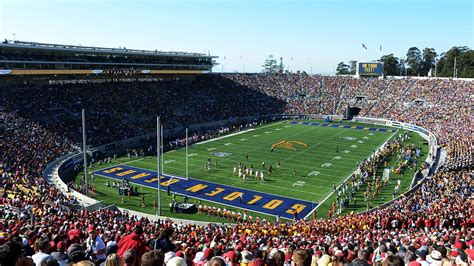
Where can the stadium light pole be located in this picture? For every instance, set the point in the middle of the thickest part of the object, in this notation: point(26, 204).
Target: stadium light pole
point(158, 133)
point(162, 152)
point(84, 149)
point(454, 70)
point(186, 153)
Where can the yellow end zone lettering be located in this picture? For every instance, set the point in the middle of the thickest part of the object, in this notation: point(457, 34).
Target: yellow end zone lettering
point(215, 192)
point(255, 199)
point(297, 207)
point(196, 188)
point(115, 169)
point(169, 182)
point(126, 173)
point(139, 176)
point(233, 195)
point(154, 179)
point(272, 204)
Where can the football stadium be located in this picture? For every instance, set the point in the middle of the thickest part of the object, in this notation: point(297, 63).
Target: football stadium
point(124, 156)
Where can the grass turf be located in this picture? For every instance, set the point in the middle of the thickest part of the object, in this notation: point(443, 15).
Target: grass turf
point(306, 172)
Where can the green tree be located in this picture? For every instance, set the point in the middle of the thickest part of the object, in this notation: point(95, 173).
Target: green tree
point(414, 61)
point(390, 65)
point(429, 57)
point(342, 69)
point(464, 62)
point(270, 65)
point(353, 68)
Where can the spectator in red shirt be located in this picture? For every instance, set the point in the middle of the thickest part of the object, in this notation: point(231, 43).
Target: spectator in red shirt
point(133, 241)
point(75, 234)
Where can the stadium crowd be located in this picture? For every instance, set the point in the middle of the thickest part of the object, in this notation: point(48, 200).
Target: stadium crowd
point(431, 226)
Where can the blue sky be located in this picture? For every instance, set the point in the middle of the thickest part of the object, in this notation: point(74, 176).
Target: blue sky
point(316, 34)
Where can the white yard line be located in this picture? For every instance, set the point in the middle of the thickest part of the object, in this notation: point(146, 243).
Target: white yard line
point(330, 194)
point(234, 134)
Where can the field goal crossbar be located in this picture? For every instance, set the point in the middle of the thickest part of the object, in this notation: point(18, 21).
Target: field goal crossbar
point(174, 176)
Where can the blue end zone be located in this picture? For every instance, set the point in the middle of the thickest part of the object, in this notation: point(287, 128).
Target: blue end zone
point(344, 126)
point(223, 194)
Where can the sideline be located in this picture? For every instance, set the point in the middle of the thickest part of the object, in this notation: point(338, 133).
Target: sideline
point(236, 133)
point(347, 178)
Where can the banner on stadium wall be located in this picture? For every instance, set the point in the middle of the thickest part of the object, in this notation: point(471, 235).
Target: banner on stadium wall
point(146, 71)
point(97, 71)
point(5, 71)
point(415, 128)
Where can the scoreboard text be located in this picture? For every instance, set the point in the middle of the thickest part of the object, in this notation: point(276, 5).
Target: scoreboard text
point(370, 69)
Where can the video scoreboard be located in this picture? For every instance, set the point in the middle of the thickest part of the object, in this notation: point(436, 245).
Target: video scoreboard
point(370, 69)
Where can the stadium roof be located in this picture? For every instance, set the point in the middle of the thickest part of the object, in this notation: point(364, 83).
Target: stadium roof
point(88, 49)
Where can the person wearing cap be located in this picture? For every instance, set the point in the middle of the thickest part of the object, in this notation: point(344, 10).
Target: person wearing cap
point(95, 245)
point(176, 261)
point(76, 253)
point(231, 258)
point(199, 259)
point(60, 255)
point(422, 253)
point(435, 258)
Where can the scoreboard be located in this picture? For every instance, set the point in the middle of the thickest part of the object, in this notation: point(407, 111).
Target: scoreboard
point(370, 69)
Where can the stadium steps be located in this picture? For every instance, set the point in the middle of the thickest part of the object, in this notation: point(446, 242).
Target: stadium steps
point(341, 96)
point(402, 96)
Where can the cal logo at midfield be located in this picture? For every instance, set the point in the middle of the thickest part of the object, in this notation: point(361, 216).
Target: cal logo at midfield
point(290, 145)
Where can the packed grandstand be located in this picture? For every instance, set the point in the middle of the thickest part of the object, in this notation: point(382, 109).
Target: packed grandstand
point(41, 122)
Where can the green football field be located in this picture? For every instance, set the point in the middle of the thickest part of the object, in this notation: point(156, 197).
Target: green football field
point(312, 158)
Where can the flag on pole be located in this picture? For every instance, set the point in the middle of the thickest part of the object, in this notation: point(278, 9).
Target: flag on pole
point(363, 46)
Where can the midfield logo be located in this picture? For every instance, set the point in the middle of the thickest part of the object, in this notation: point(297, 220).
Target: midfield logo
point(290, 145)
